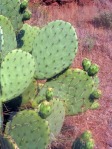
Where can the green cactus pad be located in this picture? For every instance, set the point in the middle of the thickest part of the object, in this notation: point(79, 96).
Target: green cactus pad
point(54, 48)
point(26, 36)
point(17, 71)
point(29, 131)
point(12, 11)
point(74, 88)
point(29, 94)
point(7, 36)
point(1, 39)
point(56, 118)
point(9, 143)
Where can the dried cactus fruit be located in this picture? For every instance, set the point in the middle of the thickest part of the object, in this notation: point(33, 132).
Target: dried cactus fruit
point(7, 36)
point(12, 10)
point(17, 71)
point(54, 48)
point(27, 123)
point(26, 36)
point(74, 87)
point(56, 118)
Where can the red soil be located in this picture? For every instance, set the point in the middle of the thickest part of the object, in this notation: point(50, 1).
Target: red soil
point(94, 43)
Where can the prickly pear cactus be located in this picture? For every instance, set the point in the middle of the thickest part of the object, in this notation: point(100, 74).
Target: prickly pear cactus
point(7, 36)
point(9, 143)
point(30, 93)
point(74, 87)
point(54, 48)
point(26, 36)
point(15, 77)
point(56, 118)
point(45, 109)
point(29, 131)
point(1, 38)
point(85, 141)
point(14, 11)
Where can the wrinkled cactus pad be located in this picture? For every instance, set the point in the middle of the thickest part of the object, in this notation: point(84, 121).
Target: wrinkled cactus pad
point(29, 131)
point(54, 48)
point(74, 87)
point(17, 71)
point(7, 36)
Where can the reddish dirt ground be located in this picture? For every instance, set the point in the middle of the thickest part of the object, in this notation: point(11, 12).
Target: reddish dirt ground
point(94, 43)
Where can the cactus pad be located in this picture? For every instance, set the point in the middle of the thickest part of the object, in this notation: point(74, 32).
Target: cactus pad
point(56, 118)
point(29, 94)
point(17, 71)
point(54, 48)
point(26, 36)
point(12, 11)
point(7, 36)
point(29, 131)
point(74, 88)
point(9, 143)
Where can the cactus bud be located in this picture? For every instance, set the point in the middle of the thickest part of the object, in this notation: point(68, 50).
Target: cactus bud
point(94, 68)
point(23, 5)
point(49, 94)
point(96, 94)
point(45, 109)
point(95, 105)
point(86, 135)
point(86, 63)
point(26, 15)
point(90, 144)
